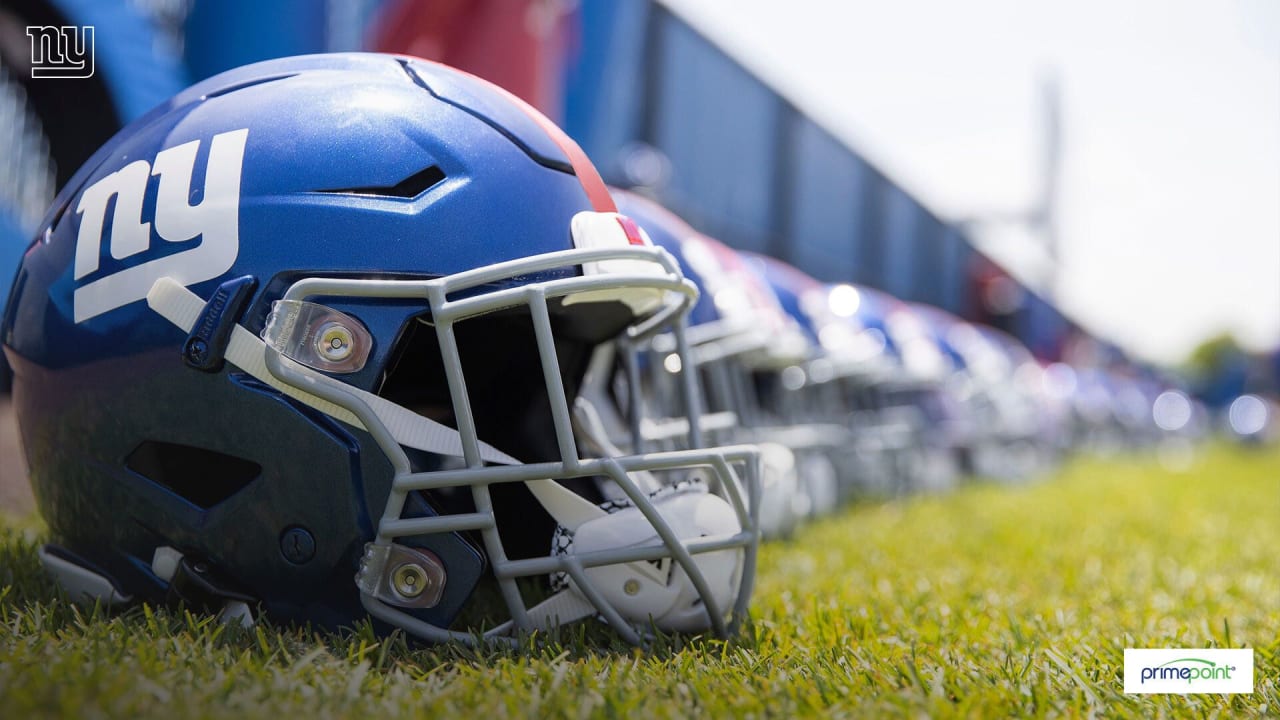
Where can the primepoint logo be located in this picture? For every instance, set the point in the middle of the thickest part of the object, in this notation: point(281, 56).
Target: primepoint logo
point(1188, 670)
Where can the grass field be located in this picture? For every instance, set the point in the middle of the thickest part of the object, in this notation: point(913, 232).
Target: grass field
point(993, 601)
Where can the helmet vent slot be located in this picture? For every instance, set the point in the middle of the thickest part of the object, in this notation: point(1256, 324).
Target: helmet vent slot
point(410, 187)
point(202, 477)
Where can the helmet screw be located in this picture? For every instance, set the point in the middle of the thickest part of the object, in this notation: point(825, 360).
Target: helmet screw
point(297, 545)
point(335, 342)
point(631, 587)
point(197, 350)
point(409, 580)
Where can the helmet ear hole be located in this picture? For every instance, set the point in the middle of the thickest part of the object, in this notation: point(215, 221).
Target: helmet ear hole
point(202, 477)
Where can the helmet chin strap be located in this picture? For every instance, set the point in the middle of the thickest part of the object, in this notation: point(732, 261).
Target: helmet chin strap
point(561, 608)
point(246, 351)
point(591, 427)
point(568, 508)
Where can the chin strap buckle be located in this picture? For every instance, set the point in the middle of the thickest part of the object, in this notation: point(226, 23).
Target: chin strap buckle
point(195, 584)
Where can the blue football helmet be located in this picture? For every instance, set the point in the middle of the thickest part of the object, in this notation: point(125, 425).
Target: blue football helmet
point(731, 331)
point(1028, 418)
point(864, 377)
point(307, 337)
point(1001, 441)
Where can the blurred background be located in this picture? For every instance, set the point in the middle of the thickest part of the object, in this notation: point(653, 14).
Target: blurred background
point(1100, 180)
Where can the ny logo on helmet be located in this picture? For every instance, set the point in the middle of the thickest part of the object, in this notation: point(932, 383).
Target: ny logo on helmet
point(215, 221)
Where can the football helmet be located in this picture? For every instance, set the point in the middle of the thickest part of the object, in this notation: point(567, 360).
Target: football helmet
point(857, 379)
point(307, 337)
point(732, 329)
point(969, 367)
point(1024, 419)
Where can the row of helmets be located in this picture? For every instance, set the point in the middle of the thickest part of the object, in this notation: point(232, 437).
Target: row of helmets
point(352, 336)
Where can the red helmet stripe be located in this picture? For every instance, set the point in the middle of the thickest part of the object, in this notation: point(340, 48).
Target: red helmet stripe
point(632, 230)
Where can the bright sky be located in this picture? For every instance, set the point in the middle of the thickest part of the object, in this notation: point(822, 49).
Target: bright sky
point(1170, 185)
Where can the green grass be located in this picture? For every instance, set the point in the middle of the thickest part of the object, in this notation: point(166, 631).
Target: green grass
point(993, 601)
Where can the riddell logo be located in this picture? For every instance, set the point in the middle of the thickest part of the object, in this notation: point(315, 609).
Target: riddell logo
point(61, 52)
point(1188, 671)
point(207, 233)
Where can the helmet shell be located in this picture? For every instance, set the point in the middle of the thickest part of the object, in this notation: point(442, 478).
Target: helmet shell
point(344, 165)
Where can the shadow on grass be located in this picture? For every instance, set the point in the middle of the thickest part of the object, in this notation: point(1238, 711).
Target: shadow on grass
point(31, 602)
